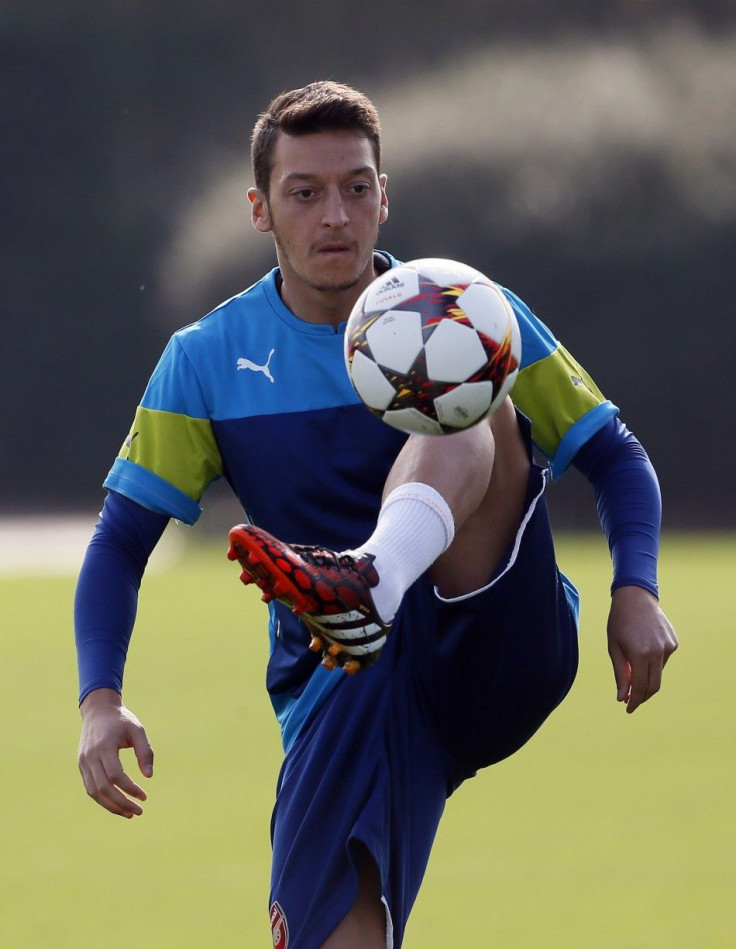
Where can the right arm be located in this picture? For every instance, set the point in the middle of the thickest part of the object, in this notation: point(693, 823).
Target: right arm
point(104, 614)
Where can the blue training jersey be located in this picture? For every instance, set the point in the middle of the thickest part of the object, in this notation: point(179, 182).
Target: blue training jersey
point(253, 394)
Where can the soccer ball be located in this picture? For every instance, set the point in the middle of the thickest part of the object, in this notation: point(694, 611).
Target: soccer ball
point(432, 346)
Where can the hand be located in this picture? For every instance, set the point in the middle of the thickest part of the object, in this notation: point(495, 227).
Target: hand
point(640, 641)
point(107, 727)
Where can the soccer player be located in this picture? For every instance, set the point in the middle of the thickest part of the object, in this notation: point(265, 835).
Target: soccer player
point(424, 566)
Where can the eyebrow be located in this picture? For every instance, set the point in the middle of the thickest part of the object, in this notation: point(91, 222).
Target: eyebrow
point(310, 176)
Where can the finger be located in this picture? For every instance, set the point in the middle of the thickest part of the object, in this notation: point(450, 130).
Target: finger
point(621, 673)
point(143, 753)
point(643, 677)
point(128, 810)
point(671, 647)
point(655, 677)
point(108, 796)
point(103, 789)
point(118, 778)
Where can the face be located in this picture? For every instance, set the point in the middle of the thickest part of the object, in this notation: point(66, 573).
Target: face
point(325, 204)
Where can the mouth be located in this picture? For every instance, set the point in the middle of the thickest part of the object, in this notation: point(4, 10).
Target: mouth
point(333, 249)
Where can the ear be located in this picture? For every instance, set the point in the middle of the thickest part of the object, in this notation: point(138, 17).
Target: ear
point(383, 213)
point(260, 216)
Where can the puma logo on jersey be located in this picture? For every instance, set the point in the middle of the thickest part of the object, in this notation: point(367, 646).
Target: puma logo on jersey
point(244, 363)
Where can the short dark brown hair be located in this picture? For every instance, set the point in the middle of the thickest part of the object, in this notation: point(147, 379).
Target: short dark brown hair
point(318, 107)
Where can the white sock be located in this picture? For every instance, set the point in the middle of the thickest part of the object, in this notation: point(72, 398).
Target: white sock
point(414, 527)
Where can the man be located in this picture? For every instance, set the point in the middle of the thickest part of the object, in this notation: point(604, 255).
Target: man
point(428, 570)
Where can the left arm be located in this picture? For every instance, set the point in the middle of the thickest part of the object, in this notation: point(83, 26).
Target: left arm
point(640, 637)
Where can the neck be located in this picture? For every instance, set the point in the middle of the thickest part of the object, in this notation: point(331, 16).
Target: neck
point(326, 306)
point(319, 306)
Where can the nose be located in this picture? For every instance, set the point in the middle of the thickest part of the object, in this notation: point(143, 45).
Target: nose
point(334, 213)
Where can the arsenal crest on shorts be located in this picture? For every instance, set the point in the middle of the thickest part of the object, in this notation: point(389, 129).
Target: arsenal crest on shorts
point(279, 927)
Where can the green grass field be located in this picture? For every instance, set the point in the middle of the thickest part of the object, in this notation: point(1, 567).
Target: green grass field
point(607, 830)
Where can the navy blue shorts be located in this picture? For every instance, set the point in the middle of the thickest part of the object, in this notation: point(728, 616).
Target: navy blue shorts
point(460, 685)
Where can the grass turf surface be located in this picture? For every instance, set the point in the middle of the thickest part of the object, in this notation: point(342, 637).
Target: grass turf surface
point(607, 830)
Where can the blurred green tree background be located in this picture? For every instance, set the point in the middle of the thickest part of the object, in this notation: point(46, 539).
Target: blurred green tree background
point(584, 157)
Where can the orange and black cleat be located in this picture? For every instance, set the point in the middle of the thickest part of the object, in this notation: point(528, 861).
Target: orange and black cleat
point(330, 592)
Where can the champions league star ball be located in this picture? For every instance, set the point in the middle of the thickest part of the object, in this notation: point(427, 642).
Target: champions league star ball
point(432, 346)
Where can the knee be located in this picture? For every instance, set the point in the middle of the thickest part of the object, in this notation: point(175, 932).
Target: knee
point(511, 447)
point(458, 466)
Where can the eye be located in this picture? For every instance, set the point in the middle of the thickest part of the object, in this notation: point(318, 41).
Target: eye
point(303, 194)
point(361, 187)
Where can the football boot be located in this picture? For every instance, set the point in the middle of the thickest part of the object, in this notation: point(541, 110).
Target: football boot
point(329, 591)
